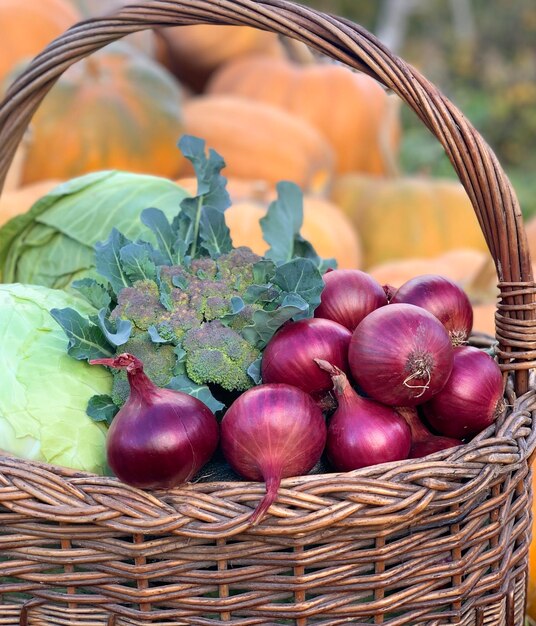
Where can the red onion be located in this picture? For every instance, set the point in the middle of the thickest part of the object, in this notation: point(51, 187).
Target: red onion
point(472, 398)
point(444, 299)
point(423, 442)
point(290, 353)
point(160, 437)
point(271, 432)
point(362, 432)
point(389, 291)
point(400, 355)
point(348, 296)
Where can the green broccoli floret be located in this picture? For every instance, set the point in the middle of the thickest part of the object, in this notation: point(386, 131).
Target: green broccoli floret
point(237, 267)
point(219, 355)
point(158, 362)
point(140, 304)
point(198, 298)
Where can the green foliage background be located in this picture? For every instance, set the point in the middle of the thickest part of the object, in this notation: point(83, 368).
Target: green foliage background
point(491, 77)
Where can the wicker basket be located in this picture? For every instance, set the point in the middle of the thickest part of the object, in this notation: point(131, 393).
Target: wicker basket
point(442, 540)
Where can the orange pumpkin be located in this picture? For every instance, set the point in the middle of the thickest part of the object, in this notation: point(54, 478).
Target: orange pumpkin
point(238, 188)
point(530, 228)
point(324, 226)
point(350, 109)
point(408, 217)
point(193, 53)
point(259, 141)
point(115, 110)
point(27, 27)
point(459, 265)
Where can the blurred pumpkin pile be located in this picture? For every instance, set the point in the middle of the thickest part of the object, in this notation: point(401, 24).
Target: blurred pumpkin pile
point(275, 110)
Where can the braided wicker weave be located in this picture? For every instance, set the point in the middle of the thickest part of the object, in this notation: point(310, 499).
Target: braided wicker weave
point(440, 540)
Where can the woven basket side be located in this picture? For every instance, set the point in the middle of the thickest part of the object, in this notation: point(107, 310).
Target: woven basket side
point(478, 169)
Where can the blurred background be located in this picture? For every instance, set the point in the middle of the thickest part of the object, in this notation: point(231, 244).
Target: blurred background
point(482, 56)
point(275, 111)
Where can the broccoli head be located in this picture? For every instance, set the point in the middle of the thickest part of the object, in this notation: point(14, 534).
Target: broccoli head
point(190, 306)
point(140, 304)
point(219, 355)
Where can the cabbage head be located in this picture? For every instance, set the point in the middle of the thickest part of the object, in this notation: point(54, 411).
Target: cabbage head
point(53, 243)
point(43, 391)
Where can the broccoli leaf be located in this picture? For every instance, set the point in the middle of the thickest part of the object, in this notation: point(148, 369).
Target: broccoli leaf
point(266, 323)
point(139, 261)
point(108, 260)
point(260, 293)
point(282, 223)
point(263, 271)
point(183, 230)
point(155, 335)
point(201, 392)
point(117, 332)
point(210, 183)
point(95, 293)
point(180, 365)
point(190, 224)
point(281, 229)
point(102, 409)
point(86, 340)
point(304, 249)
point(214, 232)
point(254, 371)
point(301, 277)
point(181, 282)
point(156, 220)
point(165, 292)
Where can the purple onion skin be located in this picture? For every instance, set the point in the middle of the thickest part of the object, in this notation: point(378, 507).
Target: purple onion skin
point(289, 356)
point(424, 442)
point(472, 398)
point(362, 432)
point(349, 296)
point(271, 432)
point(400, 355)
point(160, 438)
point(161, 445)
point(366, 433)
point(434, 444)
point(444, 299)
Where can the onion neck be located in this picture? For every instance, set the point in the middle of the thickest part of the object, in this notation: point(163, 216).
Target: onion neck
point(344, 392)
point(140, 384)
point(272, 478)
point(419, 432)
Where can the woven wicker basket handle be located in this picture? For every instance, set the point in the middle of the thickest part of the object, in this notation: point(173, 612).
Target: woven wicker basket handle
point(491, 194)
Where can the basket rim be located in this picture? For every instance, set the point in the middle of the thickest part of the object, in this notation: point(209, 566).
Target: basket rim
point(221, 509)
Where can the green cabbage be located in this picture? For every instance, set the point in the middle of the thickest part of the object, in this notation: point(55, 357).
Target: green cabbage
point(43, 391)
point(53, 243)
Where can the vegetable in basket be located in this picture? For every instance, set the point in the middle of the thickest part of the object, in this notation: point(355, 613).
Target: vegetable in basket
point(44, 392)
point(160, 437)
point(271, 432)
point(197, 311)
point(361, 431)
point(53, 243)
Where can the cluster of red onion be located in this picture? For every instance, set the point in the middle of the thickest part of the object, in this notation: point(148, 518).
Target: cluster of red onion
point(385, 355)
point(389, 356)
